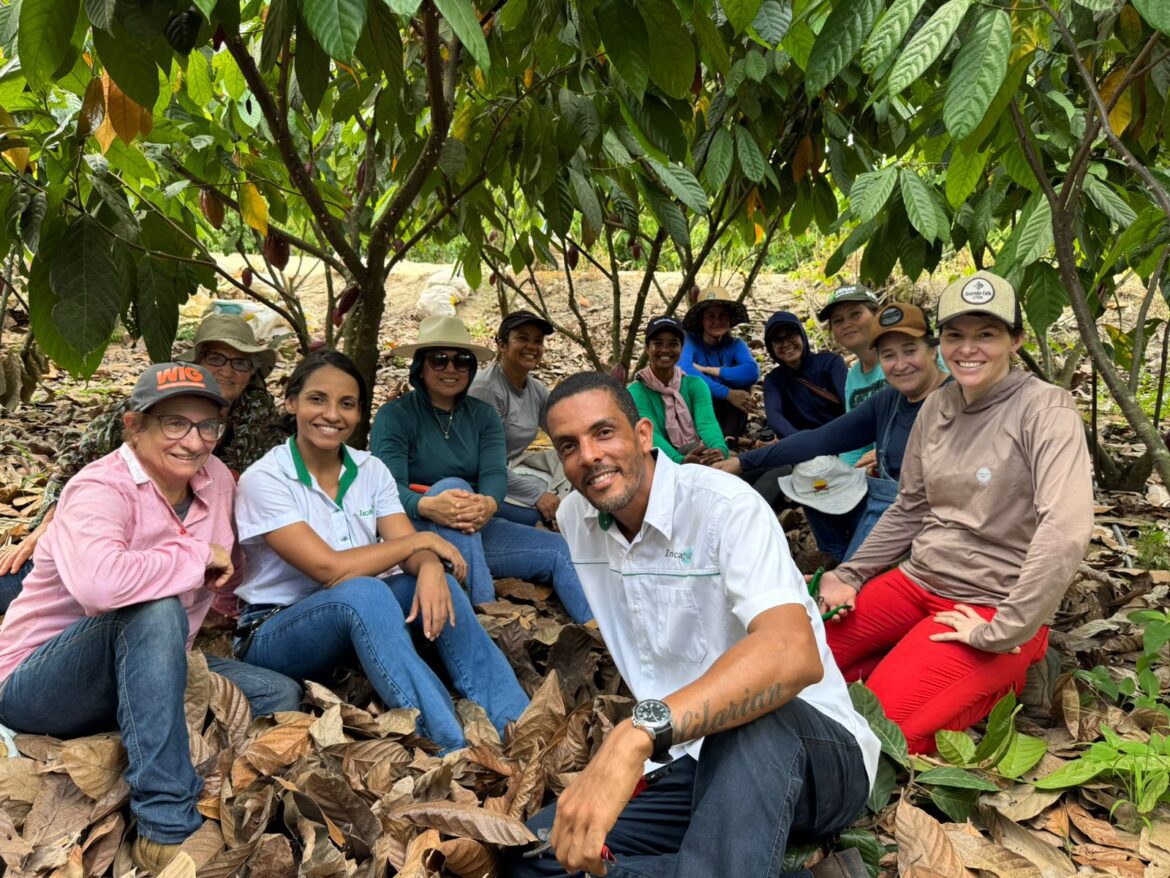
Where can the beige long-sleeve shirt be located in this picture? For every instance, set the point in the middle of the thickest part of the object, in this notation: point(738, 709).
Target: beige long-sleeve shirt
point(995, 505)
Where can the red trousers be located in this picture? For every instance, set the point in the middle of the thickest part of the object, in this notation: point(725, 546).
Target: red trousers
point(923, 685)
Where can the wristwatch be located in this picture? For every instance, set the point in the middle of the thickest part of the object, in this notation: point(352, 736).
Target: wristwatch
point(653, 717)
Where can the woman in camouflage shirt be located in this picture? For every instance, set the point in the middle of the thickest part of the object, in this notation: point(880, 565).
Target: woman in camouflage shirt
point(226, 346)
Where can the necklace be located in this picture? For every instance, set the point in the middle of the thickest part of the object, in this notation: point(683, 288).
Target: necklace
point(450, 420)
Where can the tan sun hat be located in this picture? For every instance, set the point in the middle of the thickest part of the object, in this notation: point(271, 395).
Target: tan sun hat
point(693, 322)
point(234, 331)
point(826, 483)
point(443, 332)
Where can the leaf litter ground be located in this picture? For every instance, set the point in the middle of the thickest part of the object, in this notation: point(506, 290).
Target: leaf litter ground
point(346, 788)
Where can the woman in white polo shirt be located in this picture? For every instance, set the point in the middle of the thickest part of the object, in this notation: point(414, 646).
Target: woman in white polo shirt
point(321, 522)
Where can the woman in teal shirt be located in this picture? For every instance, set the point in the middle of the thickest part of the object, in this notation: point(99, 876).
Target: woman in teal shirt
point(679, 405)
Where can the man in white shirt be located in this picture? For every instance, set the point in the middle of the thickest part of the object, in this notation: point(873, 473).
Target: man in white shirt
point(712, 628)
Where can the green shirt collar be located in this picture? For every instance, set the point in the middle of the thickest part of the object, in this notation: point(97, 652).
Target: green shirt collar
point(349, 469)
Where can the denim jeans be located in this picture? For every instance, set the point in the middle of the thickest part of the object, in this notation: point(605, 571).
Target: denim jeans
point(527, 515)
point(127, 670)
point(834, 533)
point(503, 548)
point(791, 775)
point(10, 585)
point(366, 617)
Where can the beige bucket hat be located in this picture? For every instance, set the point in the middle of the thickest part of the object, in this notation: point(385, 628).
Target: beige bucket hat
point(693, 322)
point(443, 332)
point(235, 331)
point(826, 483)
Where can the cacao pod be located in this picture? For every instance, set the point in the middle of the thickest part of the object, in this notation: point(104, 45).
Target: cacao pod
point(399, 246)
point(636, 250)
point(212, 208)
point(276, 249)
point(697, 85)
point(572, 257)
point(618, 371)
point(246, 277)
point(693, 292)
point(347, 300)
point(360, 179)
point(492, 279)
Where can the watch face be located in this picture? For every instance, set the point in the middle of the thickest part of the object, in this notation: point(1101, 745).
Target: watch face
point(654, 713)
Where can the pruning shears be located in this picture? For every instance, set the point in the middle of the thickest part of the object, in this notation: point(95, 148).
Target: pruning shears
point(814, 590)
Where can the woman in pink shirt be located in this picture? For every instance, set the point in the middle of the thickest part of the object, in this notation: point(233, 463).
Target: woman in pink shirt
point(123, 578)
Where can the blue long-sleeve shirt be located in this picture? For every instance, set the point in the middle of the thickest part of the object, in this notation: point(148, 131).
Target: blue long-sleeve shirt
point(738, 368)
point(884, 419)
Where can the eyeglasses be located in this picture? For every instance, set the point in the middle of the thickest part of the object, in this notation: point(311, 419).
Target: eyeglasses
point(783, 341)
point(177, 427)
point(438, 360)
point(240, 364)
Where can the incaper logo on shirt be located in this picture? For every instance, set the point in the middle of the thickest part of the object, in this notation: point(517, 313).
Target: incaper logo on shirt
point(685, 555)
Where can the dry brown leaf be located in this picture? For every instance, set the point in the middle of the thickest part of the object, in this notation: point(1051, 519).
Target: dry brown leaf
point(463, 821)
point(227, 864)
point(230, 708)
point(468, 858)
point(204, 845)
point(1108, 860)
point(423, 859)
point(20, 779)
point(326, 730)
point(477, 728)
point(1021, 801)
point(102, 844)
point(1028, 844)
point(197, 696)
point(61, 811)
point(922, 842)
point(400, 721)
point(977, 852)
point(1100, 831)
point(39, 747)
point(341, 805)
point(13, 848)
point(281, 745)
point(182, 866)
point(491, 758)
point(72, 868)
point(273, 859)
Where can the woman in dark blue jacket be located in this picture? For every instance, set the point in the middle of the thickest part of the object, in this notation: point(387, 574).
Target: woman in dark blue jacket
point(806, 389)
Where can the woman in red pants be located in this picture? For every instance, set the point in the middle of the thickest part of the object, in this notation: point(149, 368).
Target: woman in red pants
point(995, 509)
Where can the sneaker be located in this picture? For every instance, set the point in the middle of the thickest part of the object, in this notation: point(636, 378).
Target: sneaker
point(1040, 682)
point(152, 856)
point(845, 863)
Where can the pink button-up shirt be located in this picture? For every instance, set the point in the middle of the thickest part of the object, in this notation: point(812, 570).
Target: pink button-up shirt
point(116, 542)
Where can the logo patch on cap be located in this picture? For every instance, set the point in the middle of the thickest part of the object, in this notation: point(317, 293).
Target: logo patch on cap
point(977, 291)
point(180, 376)
point(891, 316)
point(820, 485)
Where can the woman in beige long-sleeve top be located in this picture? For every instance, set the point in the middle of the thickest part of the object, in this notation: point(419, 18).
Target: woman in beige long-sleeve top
point(995, 508)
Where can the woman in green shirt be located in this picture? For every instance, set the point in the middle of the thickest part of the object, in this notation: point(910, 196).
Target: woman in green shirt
point(679, 405)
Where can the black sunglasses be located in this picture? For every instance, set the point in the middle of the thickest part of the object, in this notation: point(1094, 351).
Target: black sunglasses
point(438, 360)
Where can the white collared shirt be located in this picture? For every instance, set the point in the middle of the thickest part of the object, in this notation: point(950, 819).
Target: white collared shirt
point(709, 558)
point(272, 495)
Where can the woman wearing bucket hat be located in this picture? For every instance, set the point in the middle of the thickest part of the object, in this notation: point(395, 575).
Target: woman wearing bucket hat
point(726, 363)
point(518, 397)
point(906, 351)
point(225, 346)
point(995, 507)
point(451, 446)
point(124, 576)
point(678, 405)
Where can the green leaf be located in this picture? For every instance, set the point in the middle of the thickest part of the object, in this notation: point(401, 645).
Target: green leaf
point(1000, 727)
point(157, 297)
point(586, 201)
point(1151, 793)
point(452, 157)
point(460, 14)
point(741, 13)
point(892, 740)
point(682, 184)
point(1032, 237)
point(1022, 754)
point(891, 29)
point(311, 65)
point(964, 171)
point(41, 302)
point(841, 36)
point(959, 805)
point(1109, 202)
point(46, 27)
point(1006, 94)
point(385, 44)
point(751, 161)
point(755, 66)
point(337, 24)
point(207, 7)
point(1044, 297)
point(513, 14)
point(926, 45)
point(85, 279)
point(871, 191)
point(278, 27)
point(848, 247)
point(867, 844)
point(958, 778)
point(1072, 774)
point(669, 217)
point(719, 158)
point(129, 64)
point(955, 747)
point(977, 73)
point(772, 21)
point(926, 214)
point(712, 43)
point(672, 54)
point(100, 12)
point(626, 44)
point(883, 786)
point(1156, 12)
point(405, 8)
point(198, 79)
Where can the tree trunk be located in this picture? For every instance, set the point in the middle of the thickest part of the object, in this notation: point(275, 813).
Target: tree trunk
point(362, 345)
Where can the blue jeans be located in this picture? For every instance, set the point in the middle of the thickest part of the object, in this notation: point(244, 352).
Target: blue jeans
point(10, 585)
point(367, 617)
point(520, 514)
point(793, 774)
point(127, 670)
point(834, 533)
point(504, 548)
